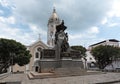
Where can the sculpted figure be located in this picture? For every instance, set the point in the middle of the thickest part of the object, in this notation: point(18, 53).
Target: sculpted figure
point(61, 38)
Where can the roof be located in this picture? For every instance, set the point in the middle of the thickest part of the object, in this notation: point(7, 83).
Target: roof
point(110, 40)
point(38, 42)
point(54, 15)
point(114, 40)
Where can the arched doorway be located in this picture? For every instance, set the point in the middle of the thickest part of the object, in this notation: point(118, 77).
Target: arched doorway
point(36, 69)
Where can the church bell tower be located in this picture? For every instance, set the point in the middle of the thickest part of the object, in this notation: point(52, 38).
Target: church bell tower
point(52, 22)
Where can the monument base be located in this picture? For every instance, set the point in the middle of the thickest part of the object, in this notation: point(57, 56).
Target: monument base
point(51, 65)
point(59, 72)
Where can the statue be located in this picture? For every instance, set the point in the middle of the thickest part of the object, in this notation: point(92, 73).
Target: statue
point(61, 39)
point(65, 45)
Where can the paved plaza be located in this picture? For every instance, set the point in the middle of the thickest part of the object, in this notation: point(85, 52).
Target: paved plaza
point(87, 79)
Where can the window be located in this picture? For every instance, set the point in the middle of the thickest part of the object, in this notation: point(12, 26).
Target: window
point(37, 55)
point(39, 49)
point(90, 58)
point(38, 52)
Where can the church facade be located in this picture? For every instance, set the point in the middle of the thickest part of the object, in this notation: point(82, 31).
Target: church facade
point(37, 47)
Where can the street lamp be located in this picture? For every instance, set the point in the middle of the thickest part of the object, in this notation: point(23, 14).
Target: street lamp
point(12, 55)
point(85, 63)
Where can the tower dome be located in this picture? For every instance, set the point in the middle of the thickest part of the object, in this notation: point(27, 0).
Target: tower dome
point(52, 23)
point(54, 16)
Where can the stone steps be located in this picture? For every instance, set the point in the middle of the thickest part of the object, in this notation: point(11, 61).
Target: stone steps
point(59, 72)
point(34, 75)
point(30, 76)
point(69, 71)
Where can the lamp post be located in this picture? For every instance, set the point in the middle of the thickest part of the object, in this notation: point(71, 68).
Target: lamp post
point(85, 63)
point(12, 55)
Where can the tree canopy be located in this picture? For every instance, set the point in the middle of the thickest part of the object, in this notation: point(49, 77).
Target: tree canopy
point(105, 55)
point(12, 52)
point(79, 48)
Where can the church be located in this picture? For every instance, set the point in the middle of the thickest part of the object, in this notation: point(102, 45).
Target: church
point(36, 48)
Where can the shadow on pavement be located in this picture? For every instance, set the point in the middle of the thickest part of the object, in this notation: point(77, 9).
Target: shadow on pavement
point(111, 82)
point(18, 82)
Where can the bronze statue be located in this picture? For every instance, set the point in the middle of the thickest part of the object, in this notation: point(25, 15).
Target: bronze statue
point(61, 38)
point(61, 27)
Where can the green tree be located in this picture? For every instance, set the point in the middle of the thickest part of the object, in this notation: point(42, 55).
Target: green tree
point(12, 52)
point(79, 48)
point(105, 55)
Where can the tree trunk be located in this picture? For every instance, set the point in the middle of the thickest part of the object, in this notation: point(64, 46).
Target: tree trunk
point(4, 66)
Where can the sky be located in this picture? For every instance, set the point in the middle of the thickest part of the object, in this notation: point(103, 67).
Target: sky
point(87, 21)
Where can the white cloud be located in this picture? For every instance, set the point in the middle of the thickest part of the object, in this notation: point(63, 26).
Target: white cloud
point(93, 30)
point(78, 15)
point(17, 34)
point(6, 31)
point(4, 3)
point(113, 24)
point(37, 30)
point(2, 19)
point(104, 21)
point(115, 10)
point(11, 20)
point(75, 36)
point(89, 33)
point(84, 14)
point(8, 20)
point(34, 28)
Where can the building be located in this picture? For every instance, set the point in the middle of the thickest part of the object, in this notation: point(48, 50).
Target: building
point(36, 48)
point(111, 42)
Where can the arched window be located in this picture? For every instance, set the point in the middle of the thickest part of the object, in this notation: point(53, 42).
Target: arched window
point(39, 49)
point(38, 52)
point(90, 58)
point(36, 55)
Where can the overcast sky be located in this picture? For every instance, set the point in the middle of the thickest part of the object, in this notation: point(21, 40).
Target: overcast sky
point(87, 21)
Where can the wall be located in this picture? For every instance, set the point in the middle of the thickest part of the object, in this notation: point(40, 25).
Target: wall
point(17, 68)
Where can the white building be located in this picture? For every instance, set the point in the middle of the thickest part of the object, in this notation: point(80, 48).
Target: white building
point(111, 42)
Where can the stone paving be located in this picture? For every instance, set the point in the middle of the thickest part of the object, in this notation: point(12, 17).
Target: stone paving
point(87, 79)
